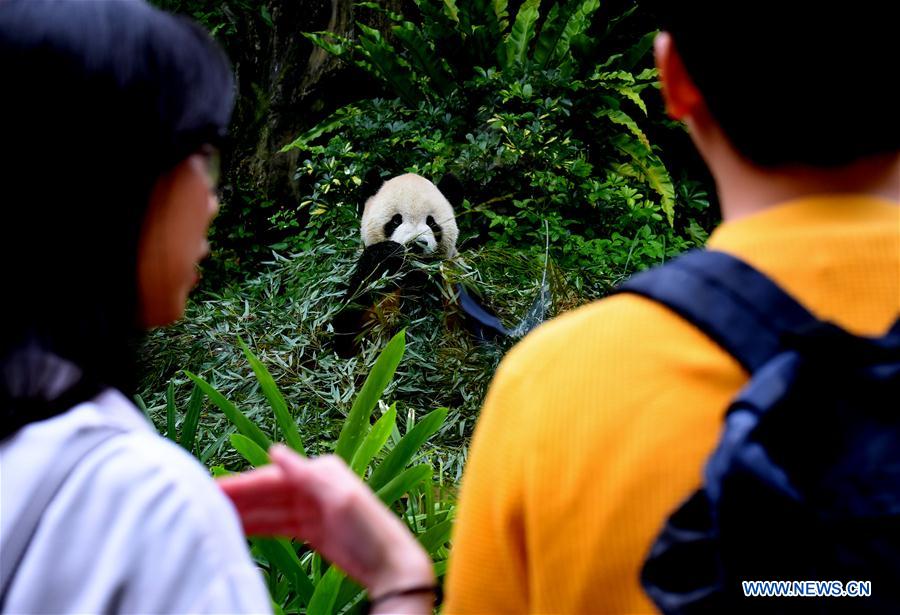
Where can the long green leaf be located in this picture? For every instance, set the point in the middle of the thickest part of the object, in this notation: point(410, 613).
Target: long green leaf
point(335, 44)
point(575, 21)
point(249, 450)
point(423, 57)
point(281, 555)
point(451, 10)
point(653, 170)
point(623, 119)
point(139, 402)
point(374, 441)
point(330, 124)
point(349, 592)
point(404, 483)
point(387, 63)
point(243, 424)
point(323, 599)
point(191, 419)
point(171, 412)
point(276, 400)
point(357, 423)
point(551, 31)
point(437, 536)
point(521, 34)
point(408, 445)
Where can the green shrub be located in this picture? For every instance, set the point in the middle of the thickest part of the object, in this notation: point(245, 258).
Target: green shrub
point(547, 131)
point(392, 464)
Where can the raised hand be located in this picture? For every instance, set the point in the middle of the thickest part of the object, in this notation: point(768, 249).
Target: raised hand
point(322, 502)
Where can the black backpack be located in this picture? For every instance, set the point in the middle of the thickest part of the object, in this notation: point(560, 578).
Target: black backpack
point(802, 492)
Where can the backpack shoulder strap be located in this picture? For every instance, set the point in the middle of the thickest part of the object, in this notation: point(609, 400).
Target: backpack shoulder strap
point(738, 307)
point(23, 529)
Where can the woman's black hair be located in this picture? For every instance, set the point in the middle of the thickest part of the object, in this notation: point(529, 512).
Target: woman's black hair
point(99, 99)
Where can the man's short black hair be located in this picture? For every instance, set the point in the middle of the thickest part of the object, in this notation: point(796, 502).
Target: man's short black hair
point(807, 83)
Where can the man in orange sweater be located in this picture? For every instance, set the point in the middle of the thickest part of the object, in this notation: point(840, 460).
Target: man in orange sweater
point(597, 426)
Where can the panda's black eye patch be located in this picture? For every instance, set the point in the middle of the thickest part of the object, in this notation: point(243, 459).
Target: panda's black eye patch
point(392, 225)
point(435, 228)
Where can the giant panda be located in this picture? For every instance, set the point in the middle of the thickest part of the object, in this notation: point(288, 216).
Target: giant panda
point(407, 213)
point(411, 211)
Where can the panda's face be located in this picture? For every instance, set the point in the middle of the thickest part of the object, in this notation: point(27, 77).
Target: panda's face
point(410, 210)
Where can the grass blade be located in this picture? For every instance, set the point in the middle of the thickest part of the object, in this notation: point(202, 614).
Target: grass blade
point(191, 419)
point(374, 441)
point(276, 400)
point(249, 450)
point(357, 423)
point(436, 537)
point(401, 455)
point(243, 424)
point(323, 599)
point(171, 412)
point(281, 555)
point(404, 483)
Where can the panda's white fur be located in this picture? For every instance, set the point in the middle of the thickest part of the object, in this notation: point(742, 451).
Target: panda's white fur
point(415, 199)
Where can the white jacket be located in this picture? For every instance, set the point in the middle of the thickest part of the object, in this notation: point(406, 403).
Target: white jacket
point(138, 526)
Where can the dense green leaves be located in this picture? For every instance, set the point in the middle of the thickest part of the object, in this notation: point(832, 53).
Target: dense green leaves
point(357, 423)
point(279, 406)
point(243, 424)
point(409, 444)
point(519, 38)
point(296, 582)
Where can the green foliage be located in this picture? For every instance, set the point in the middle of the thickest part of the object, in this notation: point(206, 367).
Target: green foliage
point(294, 574)
point(548, 129)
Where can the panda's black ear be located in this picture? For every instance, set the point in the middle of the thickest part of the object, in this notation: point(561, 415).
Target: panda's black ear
point(452, 189)
point(370, 185)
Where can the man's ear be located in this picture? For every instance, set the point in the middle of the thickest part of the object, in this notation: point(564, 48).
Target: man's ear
point(681, 95)
point(452, 189)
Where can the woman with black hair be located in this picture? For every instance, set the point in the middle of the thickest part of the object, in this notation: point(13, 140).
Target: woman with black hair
point(110, 115)
point(111, 112)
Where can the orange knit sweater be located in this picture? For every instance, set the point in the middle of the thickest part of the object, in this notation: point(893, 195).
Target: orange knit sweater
point(598, 424)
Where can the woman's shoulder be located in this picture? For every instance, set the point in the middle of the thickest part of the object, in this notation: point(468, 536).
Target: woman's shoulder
point(136, 511)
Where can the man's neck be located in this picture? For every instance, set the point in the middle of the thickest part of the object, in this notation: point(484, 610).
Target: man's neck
point(745, 189)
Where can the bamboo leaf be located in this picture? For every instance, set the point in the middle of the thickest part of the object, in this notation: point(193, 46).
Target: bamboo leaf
point(276, 400)
point(403, 483)
point(191, 419)
point(243, 424)
point(357, 423)
point(408, 445)
point(374, 441)
point(171, 412)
